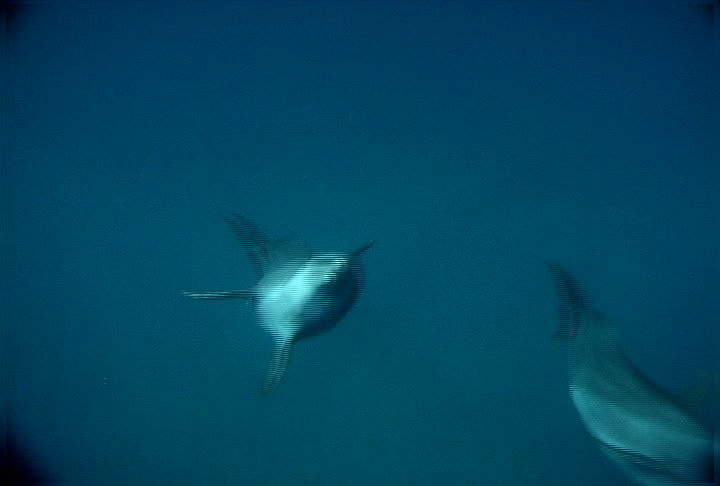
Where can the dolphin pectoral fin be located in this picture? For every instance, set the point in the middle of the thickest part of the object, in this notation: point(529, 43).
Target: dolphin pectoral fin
point(278, 365)
point(361, 249)
point(229, 294)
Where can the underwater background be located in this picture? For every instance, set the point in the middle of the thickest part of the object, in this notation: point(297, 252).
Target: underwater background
point(472, 140)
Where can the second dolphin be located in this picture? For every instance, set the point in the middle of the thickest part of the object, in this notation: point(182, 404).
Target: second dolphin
point(654, 437)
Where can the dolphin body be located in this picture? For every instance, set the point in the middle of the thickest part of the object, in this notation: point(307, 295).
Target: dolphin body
point(299, 294)
point(654, 438)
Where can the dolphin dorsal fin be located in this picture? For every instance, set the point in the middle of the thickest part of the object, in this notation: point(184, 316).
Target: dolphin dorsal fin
point(278, 253)
point(573, 304)
point(264, 253)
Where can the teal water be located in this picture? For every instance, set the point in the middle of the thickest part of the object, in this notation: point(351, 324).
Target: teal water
point(472, 140)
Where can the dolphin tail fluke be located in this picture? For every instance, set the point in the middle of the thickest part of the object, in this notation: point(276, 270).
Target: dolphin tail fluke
point(278, 365)
point(229, 294)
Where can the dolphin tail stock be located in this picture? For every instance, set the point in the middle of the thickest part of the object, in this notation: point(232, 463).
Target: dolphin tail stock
point(278, 365)
point(229, 294)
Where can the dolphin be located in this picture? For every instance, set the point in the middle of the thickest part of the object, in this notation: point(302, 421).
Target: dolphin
point(299, 293)
point(654, 437)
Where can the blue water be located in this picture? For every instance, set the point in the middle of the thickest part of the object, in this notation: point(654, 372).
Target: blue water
point(473, 140)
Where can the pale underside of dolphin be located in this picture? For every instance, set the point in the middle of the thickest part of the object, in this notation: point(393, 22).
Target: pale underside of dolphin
point(654, 437)
point(299, 293)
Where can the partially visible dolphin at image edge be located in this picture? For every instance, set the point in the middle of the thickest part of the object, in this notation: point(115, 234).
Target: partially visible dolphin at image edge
point(654, 437)
point(299, 294)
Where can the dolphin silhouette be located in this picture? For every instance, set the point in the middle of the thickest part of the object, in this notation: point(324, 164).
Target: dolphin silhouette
point(299, 294)
point(654, 437)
